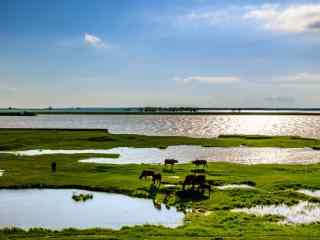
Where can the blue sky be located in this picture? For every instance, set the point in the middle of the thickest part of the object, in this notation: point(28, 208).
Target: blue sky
point(159, 53)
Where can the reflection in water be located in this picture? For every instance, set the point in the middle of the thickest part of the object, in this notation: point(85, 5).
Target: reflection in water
point(310, 193)
point(242, 155)
point(302, 213)
point(20, 208)
point(234, 186)
point(186, 125)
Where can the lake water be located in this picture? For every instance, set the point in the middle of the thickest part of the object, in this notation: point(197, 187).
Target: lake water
point(55, 209)
point(183, 153)
point(184, 125)
point(301, 213)
point(315, 193)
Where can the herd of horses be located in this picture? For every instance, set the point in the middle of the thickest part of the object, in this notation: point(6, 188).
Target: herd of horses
point(192, 180)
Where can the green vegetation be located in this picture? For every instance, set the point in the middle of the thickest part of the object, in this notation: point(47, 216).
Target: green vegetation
point(22, 139)
point(211, 219)
point(82, 197)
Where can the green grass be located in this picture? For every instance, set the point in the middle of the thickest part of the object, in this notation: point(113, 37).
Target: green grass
point(68, 139)
point(274, 184)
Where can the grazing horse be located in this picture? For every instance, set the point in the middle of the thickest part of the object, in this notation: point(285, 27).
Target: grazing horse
point(53, 167)
point(170, 162)
point(200, 163)
point(146, 173)
point(156, 178)
point(194, 180)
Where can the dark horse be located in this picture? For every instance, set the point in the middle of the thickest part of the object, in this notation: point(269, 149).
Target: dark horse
point(53, 167)
point(194, 180)
point(200, 163)
point(170, 162)
point(146, 173)
point(156, 178)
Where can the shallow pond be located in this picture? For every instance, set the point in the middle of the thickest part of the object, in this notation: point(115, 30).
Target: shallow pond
point(183, 153)
point(301, 213)
point(310, 192)
point(55, 209)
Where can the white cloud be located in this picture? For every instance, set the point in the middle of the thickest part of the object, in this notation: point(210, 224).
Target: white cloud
point(292, 18)
point(275, 17)
point(210, 16)
point(299, 79)
point(210, 79)
point(94, 41)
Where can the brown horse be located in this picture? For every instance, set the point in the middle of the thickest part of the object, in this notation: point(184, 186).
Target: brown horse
point(146, 173)
point(200, 163)
point(156, 178)
point(194, 180)
point(170, 162)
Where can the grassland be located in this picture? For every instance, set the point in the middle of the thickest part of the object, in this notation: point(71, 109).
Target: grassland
point(274, 184)
point(22, 139)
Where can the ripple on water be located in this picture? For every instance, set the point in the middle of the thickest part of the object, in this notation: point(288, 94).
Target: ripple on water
point(59, 210)
point(183, 153)
point(301, 213)
point(310, 193)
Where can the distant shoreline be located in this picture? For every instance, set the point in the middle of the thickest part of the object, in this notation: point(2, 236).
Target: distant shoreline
point(157, 111)
point(160, 113)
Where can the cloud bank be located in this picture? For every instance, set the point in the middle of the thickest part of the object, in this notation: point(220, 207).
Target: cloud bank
point(211, 79)
point(300, 79)
point(292, 18)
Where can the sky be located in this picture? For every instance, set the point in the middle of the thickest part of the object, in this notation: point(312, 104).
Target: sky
point(199, 53)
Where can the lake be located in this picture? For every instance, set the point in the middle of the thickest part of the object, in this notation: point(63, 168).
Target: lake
point(55, 209)
point(184, 154)
point(173, 125)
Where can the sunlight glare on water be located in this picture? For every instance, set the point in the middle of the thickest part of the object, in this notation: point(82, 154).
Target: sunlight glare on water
point(183, 125)
point(301, 213)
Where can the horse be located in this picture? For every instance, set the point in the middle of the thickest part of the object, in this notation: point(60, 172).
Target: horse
point(53, 167)
point(170, 162)
point(200, 162)
point(146, 173)
point(194, 180)
point(156, 178)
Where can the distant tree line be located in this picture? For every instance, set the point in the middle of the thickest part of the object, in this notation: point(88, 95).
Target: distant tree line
point(170, 109)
